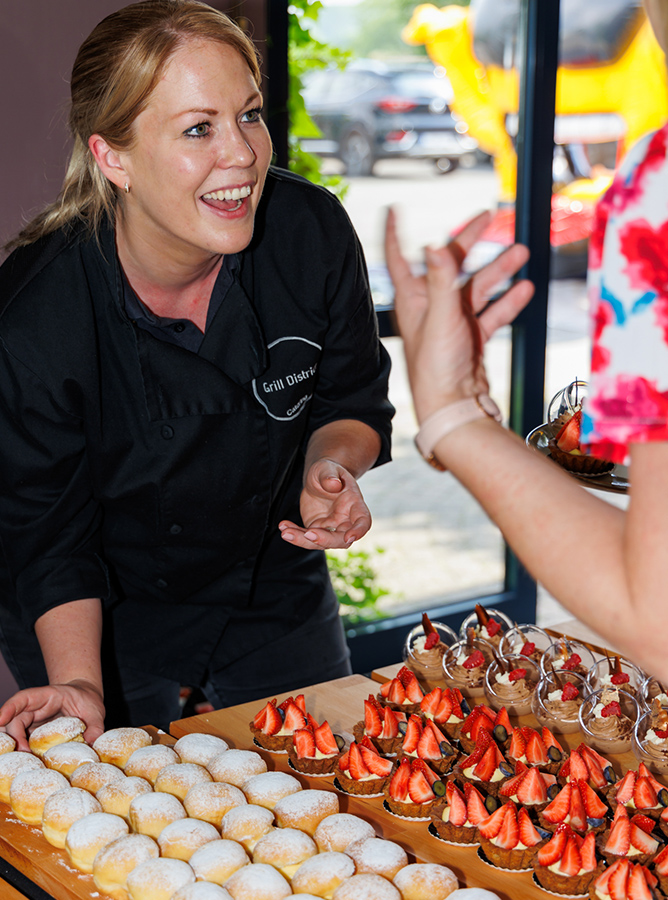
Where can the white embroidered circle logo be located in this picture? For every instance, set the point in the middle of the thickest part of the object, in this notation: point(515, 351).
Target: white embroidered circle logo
point(287, 385)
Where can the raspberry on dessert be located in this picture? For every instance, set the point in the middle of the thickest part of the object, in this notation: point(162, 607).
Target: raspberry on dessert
point(474, 661)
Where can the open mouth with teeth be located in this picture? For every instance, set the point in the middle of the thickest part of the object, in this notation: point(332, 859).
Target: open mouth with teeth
point(229, 200)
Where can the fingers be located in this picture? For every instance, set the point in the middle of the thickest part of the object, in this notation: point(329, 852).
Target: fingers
point(504, 310)
point(468, 236)
point(398, 268)
point(485, 282)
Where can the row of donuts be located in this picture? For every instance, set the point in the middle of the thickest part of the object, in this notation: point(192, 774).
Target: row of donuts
point(199, 816)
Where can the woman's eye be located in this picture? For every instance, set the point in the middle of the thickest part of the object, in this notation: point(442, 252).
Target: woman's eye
point(199, 130)
point(253, 115)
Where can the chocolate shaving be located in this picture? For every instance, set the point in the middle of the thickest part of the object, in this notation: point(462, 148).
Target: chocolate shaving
point(426, 624)
point(481, 613)
point(558, 680)
point(470, 637)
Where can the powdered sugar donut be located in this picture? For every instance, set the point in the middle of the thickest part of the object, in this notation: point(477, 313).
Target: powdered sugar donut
point(63, 809)
point(113, 863)
point(150, 813)
point(181, 838)
point(335, 832)
point(11, 764)
point(270, 787)
point(57, 731)
point(322, 874)
point(116, 796)
point(117, 745)
point(89, 835)
point(218, 860)
point(159, 879)
point(475, 893)
point(202, 890)
point(366, 887)
point(236, 766)
point(285, 849)
point(147, 762)
point(178, 778)
point(7, 742)
point(66, 758)
point(29, 790)
point(199, 748)
point(246, 824)
point(305, 809)
point(425, 881)
point(210, 801)
point(375, 856)
point(258, 882)
point(91, 776)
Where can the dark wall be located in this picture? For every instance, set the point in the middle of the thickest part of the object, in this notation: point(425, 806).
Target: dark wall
point(38, 42)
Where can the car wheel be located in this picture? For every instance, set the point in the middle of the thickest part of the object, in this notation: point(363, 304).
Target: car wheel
point(357, 154)
point(445, 165)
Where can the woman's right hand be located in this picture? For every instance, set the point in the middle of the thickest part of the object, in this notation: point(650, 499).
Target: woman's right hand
point(444, 325)
point(33, 706)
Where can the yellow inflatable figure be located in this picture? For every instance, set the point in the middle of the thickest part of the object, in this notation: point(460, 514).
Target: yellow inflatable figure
point(632, 86)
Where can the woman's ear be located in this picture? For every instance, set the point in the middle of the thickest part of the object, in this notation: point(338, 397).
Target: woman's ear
point(108, 160)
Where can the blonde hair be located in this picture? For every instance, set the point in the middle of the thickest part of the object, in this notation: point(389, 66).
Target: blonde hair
point(115, 72)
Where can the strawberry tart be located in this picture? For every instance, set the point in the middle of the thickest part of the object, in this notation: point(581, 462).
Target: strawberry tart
point(403, 692)
point(639, 791)
point(509, 839)
point(315, 750)
point(413, 789)
point(577, 805)
point(534, 748)
point(426, 741)
point(381, 724)
point(274, 726)
point(455, 817)
point(567, 863)
point(624, 880)
point(485, 767)
point(362, 770)
point(529, 787)
point(628, 837)
point(565, 447)
point(447, 707)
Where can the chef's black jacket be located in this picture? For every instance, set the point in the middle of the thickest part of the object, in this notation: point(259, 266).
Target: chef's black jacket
point(154, 477)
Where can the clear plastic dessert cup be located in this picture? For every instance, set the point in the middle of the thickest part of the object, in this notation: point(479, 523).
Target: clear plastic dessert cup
point(519, 636)
point(652, 688)
point(607, 732)
point(471, 621)
point(562, 656)
point(567, 401)
point(460, 670)
point(511, 681)
point(552, 708)
point(648, 746)
point(599, 676)
point(428, 663)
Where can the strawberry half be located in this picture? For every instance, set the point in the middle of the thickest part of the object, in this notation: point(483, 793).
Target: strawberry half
point(325, 740)
point(273, 722)
point(509, 833)
point(294, 717)
point(419, 789)
point(304, 741)
point(357, 768)
point(528, 834)
point(376, 764)
point(611, 709)
point(458, 807)
point(372, 717)
point(517, 674)
point(557, 810)
point(391, 720)
point(398, 787)
point(568, 436)
point(528, 648)
point(571, 861)
point(554, 849)
point(413, 734)
point(619, 839)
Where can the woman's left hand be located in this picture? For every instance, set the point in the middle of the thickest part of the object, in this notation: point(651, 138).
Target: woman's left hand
point(332, 507)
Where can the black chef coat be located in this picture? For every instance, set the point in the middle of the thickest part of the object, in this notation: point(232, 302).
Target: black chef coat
point(153, 477)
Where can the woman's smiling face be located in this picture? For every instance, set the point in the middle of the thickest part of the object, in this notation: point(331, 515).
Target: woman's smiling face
point(199, 159)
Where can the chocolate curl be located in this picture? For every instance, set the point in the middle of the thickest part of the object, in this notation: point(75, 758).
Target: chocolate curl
point(560, 683)
point(470, 637)
point(426, 624)
point(481, 613)
point(500, 661)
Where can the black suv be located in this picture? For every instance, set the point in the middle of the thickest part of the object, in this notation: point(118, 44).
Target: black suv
point(372, 110)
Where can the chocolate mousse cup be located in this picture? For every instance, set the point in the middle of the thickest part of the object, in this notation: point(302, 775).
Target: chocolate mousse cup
point(604, 728)
point(557, 706)
point(510, 682)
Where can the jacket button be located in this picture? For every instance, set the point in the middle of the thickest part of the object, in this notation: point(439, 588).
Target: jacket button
point(175, 529)
point(161, 583)
point(167, 432)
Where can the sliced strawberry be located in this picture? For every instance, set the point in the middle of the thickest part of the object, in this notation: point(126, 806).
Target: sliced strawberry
point(571, 861)
point(431, 640)
point(428, 744)
point(404, 675)
point(483, 742)
point(588, 852)
point(510, 787)
point(570, 692)
point(458, 810)
point(445, 708)
point(517, 674)
point(626, 787)
point(528, 834)
point(554, 849)
point(536, 751)
point(304, 741)
point(661, 862)
point(474, 661)
point(261, 717)
point(475, 805)
point(502, 720)
point(397, 693)
point(294, 718)
point(594, 806)
point(650, 877)
point(557, 810)
point(311, 722)
point(518, 744)
point(430, 703)
point(491, 758)
point(637, 887)
point(528, 648)
point(573, 661)
point(357, 768)
point(413, 734)
point(344, 760)
point(509, 833)
point(398, 787)
point(578, 770)
point(619, 880)
point(568, 436)
point(325, 740)
point(273, 722)
point(419, 765)
point(491, 826)
point(284, 705)
point(493, 627)
point(376, 764)
point(619, 839)
point(419, 789)
point(577, 815)
point(385, 689)
point(372, 717)
point(414, 692)
point(391, 720)
point(611, 709)
point(300, 700)
point(644, 795)
point(533, 789)
point(645, 772)
point(643, 822)
point(641, 840)
point(457, 698)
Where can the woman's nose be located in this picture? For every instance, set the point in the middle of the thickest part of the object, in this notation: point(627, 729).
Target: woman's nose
point(235, 149)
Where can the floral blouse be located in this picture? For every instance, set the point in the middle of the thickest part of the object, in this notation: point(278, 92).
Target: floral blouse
point(628, 298)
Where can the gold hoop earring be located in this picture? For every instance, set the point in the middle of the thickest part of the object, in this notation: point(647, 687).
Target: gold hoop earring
point(127, 188)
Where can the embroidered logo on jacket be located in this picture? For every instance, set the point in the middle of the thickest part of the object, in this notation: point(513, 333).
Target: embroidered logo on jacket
point(288, 383)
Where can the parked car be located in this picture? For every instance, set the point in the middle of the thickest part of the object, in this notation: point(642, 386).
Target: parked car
point(372, 110)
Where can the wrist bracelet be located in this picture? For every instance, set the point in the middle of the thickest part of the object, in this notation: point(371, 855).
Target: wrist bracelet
point(445, 420)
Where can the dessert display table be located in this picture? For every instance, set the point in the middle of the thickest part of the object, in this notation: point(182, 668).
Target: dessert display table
point(341, 703)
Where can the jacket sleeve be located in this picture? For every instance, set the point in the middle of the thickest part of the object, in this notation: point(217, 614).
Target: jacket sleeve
point(355, 367)
point(50, 520)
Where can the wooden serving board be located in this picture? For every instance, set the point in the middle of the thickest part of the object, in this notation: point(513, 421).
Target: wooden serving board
point(25, 848)
point(341, 702)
